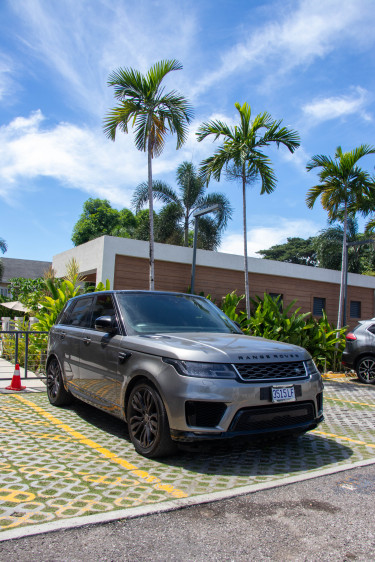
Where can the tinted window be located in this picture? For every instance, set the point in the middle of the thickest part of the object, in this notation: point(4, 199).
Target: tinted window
point(80, 313)
point(64, 316)
point(370, 328)
point(103, 306)
point(151, 313)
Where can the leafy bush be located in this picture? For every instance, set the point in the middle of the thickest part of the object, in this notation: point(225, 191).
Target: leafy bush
point(271, 319)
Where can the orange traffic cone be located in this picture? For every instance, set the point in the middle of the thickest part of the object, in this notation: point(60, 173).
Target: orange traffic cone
point(16, 380)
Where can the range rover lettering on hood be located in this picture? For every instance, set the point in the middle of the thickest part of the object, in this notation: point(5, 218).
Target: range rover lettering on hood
point(273, 356)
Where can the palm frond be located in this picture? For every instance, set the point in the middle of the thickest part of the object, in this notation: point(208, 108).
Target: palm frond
point(160, 190)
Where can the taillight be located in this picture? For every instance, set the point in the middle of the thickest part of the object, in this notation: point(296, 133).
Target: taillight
point(350, 336)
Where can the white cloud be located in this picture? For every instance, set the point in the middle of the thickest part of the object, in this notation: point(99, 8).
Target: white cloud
point(309, 31)
point(263, 237)
point(82, 158)
point(323, 109)
point(77, 157)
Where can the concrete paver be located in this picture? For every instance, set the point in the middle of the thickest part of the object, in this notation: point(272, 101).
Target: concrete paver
point(75, 465)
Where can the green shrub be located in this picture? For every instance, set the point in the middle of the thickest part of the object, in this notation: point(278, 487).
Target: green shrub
point(271, 319)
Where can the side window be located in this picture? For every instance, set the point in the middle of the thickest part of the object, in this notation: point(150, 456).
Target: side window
point(371, 329)
point(80, 314)
point(64, 316)
point(103, 306)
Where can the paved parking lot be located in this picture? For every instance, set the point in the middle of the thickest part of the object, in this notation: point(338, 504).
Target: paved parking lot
point(63, 467)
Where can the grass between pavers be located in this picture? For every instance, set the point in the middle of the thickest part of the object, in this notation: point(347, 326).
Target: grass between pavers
point(48, 475)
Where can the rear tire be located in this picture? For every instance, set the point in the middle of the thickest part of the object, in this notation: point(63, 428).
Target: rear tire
point(148, 423)
point(365, 369)
point(56, 392)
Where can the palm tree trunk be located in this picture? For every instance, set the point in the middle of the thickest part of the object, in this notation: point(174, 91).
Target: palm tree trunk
point(246, 269)
point(344, 266)
point(151, 216)
point(186, 228)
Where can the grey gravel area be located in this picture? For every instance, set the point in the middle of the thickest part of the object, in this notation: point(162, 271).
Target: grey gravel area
point(324, 519)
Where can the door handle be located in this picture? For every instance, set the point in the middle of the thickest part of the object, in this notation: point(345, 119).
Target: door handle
point(123, 356)
point(86, 340)
point(62, 335)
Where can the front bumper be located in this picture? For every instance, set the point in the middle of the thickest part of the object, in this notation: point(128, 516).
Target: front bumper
point(280, 425)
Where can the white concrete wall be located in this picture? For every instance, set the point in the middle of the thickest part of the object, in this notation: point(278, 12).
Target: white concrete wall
point(99, 255)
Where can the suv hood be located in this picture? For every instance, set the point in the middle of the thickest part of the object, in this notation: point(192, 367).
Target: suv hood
point(216, 348)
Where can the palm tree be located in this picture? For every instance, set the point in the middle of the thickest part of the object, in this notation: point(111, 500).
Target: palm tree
point(145, 106)
point(342, 190)
point(241, 155)
point(3, 249)
point(180, 207)
point(328, 247)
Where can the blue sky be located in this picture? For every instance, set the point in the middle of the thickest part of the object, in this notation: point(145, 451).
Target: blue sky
point(308, 62)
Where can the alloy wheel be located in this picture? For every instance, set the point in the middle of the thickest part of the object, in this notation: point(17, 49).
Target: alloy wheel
point(144, 418)
point(366, 370)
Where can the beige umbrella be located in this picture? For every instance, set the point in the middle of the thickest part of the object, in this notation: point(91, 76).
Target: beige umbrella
point(15, 305)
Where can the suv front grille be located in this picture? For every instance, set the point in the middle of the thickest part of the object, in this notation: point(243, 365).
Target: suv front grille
point(273, 417)
point(293, 370)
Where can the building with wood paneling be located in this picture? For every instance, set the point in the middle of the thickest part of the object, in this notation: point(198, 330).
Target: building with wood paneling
point(125, 263)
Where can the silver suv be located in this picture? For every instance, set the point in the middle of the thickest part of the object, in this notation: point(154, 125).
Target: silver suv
point(359, 352)
point(176, 369)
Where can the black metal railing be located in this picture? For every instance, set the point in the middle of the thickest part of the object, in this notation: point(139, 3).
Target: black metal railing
point(15, 348)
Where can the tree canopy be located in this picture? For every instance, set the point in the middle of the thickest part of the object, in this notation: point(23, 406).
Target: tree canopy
point(176, 217)
point(99, 218)
point(294, 250)
point(325, 250)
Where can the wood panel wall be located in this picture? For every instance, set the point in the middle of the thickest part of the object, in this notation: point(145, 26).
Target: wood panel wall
point(133, 273)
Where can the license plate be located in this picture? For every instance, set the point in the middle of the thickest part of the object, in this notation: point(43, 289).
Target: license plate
point(283, 394)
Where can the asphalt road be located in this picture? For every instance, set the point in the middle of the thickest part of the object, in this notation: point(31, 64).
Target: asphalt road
point(331, 518)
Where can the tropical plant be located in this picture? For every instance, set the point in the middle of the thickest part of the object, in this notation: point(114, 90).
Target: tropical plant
point(328, 246)
point(153, 113)
point(3, 249)
point(343, 189)
point(271, 319)
point(241, 155)
point(177, 214)
point(229, 305)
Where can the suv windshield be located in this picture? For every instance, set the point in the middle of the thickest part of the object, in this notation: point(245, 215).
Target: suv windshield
point(150, 313)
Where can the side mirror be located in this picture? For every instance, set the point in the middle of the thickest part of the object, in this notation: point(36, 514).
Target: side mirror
point(106, 324)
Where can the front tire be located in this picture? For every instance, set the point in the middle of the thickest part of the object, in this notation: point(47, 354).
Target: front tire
point(365, 369)
point(57, 395)
point(148, 423)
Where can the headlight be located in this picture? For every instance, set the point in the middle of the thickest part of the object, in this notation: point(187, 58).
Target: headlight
point(202, 370)
point(311, 368)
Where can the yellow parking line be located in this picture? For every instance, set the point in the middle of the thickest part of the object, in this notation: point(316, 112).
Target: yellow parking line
point(351, 402)
point(317, 432)
point(112, 457)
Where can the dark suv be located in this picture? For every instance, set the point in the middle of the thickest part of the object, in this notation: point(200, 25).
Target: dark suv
point(359, 353)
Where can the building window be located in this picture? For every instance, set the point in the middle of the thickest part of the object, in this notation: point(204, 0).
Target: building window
point(318, 306)
point(275, 295)
point(279, 298)
point(355, 309)
point(3, 291)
